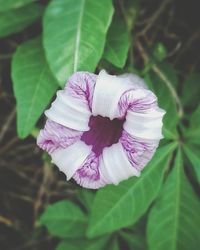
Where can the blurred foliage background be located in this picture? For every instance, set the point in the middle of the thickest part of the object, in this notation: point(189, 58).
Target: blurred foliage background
point(41, 44)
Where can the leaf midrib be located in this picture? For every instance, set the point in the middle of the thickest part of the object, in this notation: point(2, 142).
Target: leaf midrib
point(78, 35)
point(177, 206)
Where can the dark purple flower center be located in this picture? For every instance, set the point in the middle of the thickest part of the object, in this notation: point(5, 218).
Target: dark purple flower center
point(103, 133)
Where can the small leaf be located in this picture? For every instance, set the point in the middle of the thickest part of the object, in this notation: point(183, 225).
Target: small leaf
point(117, 43)
point(132, 9)
point(15, 20)
point(174, 220)
point(34, 84)
point(194, 158)
point(64, 219)
point(160, 52)
point(74, 35)
point(120, 206)
point(12, 4)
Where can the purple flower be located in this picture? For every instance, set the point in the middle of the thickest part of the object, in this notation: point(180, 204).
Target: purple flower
point(102, 129)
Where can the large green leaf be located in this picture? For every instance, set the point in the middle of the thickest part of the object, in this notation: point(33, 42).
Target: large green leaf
point(194, 157)
point(119, 206)
point(11, 4)
point(174, 221)
point(64, 219)
point(15, 20)
point(34, 84)
point(74, 35)
point(165, 99)
point(117, 42)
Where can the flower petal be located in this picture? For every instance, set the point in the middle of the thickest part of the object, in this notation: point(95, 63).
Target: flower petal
point(71, 158)
point(115, 166)
point(107, 93)
point(69, 112)
point(145, 125)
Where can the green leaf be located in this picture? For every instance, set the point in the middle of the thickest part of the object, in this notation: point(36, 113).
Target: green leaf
point(174, 220)
point(120, 206)
point(83, 244)
point(34, 84)
point(64, 219)
point(15, 20)
point(160, 52)
point(117, 43)
point(191, 90)
point(194, 130)
point(132, 10)
point(86, 197)
point(194, 157)
point(135, 241)
point(74, 35)
point(114, 245)
point(165, 99)
point(134, 236)
point(11, 4)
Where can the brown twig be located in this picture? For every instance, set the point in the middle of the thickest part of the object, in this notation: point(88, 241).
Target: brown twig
point(44, 188)
point(9, 145)
point(152, 19)
point(7, 124)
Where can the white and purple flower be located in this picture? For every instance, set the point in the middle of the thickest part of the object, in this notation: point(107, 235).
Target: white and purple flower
point(102, 129)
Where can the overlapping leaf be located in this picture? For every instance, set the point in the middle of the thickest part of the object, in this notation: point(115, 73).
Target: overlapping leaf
point(33, 84)
point(114, 245)
point(119, 206)
point(15, 20)
point(174, 220)
point(117, 43)
point(86, 197)
point(134, 241)
point(64, 219)
point(74, 35)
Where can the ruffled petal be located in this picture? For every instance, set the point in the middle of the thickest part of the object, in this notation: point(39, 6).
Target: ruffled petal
point(107, 93)
point(55, 136)
point(66, 159)
point(145, 125)
point(69, 112)
point(115, 166)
